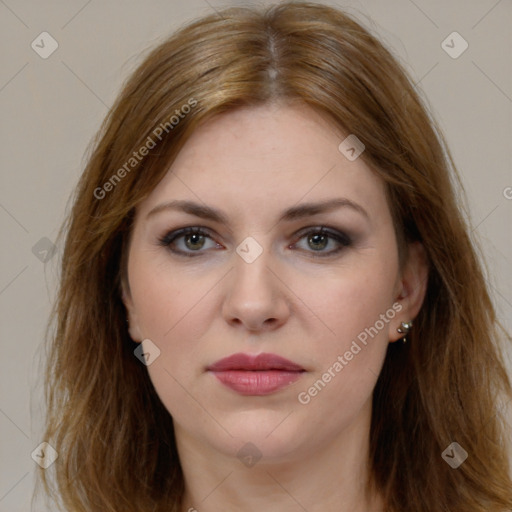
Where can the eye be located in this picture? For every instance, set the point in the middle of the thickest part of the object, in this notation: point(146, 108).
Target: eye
point(187, 241)
point(193, 238)
point(319, 238)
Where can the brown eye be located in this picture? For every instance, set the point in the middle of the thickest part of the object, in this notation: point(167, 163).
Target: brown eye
point(196, 240)
point(186, 241)
point(318, 240)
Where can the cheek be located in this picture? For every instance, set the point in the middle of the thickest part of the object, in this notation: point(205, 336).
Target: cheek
point(352, 300)
point(170, 309)
point(164, 297)
point(356, 309)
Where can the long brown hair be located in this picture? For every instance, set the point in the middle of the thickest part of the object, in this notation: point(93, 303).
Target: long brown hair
point(114, 437)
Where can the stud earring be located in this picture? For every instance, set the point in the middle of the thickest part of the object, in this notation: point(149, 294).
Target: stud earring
point(404, 329)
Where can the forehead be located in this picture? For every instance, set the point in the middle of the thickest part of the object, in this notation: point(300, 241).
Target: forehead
point(259, 160)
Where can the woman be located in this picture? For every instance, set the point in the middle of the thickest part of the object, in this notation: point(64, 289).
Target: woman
point(269, 299)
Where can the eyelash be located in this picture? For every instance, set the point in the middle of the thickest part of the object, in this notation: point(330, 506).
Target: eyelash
point(168, 239)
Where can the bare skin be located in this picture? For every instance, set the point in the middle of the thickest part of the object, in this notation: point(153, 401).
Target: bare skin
point(252, 164)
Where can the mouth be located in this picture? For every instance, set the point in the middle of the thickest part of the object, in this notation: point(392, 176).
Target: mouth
point(258, 375)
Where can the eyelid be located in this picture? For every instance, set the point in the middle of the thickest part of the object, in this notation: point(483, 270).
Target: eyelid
point(174, 234)
point(326, 230)
point(342, 238)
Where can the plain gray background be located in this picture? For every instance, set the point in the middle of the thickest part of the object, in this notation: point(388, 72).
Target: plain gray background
point(52, 107)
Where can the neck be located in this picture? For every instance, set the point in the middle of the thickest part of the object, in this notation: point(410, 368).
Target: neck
point(329, 476)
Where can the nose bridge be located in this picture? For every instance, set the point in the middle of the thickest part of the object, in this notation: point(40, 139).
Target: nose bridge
point(255, 296)
point(252, 261)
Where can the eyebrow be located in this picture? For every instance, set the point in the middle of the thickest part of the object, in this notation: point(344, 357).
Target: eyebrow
point(293, 213)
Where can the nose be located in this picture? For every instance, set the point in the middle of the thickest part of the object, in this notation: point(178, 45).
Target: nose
point(256, 297)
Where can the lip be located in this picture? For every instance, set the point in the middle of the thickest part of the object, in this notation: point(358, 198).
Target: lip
point(258, 375)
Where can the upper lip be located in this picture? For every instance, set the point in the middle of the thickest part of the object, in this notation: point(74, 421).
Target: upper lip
point(253, 362)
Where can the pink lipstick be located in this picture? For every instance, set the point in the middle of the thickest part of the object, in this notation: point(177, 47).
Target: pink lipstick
point(256, 375)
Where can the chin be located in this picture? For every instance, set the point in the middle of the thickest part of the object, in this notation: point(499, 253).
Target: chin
point(265, 434)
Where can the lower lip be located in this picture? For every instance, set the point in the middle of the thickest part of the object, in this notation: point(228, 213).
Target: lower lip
point(257, 383)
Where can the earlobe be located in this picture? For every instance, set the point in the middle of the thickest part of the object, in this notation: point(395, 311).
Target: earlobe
point(413, 287)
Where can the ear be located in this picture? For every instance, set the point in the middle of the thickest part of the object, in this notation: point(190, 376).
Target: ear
point(133, 323)
point(411, 288)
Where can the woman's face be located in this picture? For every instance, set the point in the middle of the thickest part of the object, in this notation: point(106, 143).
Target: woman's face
point(258, 280)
